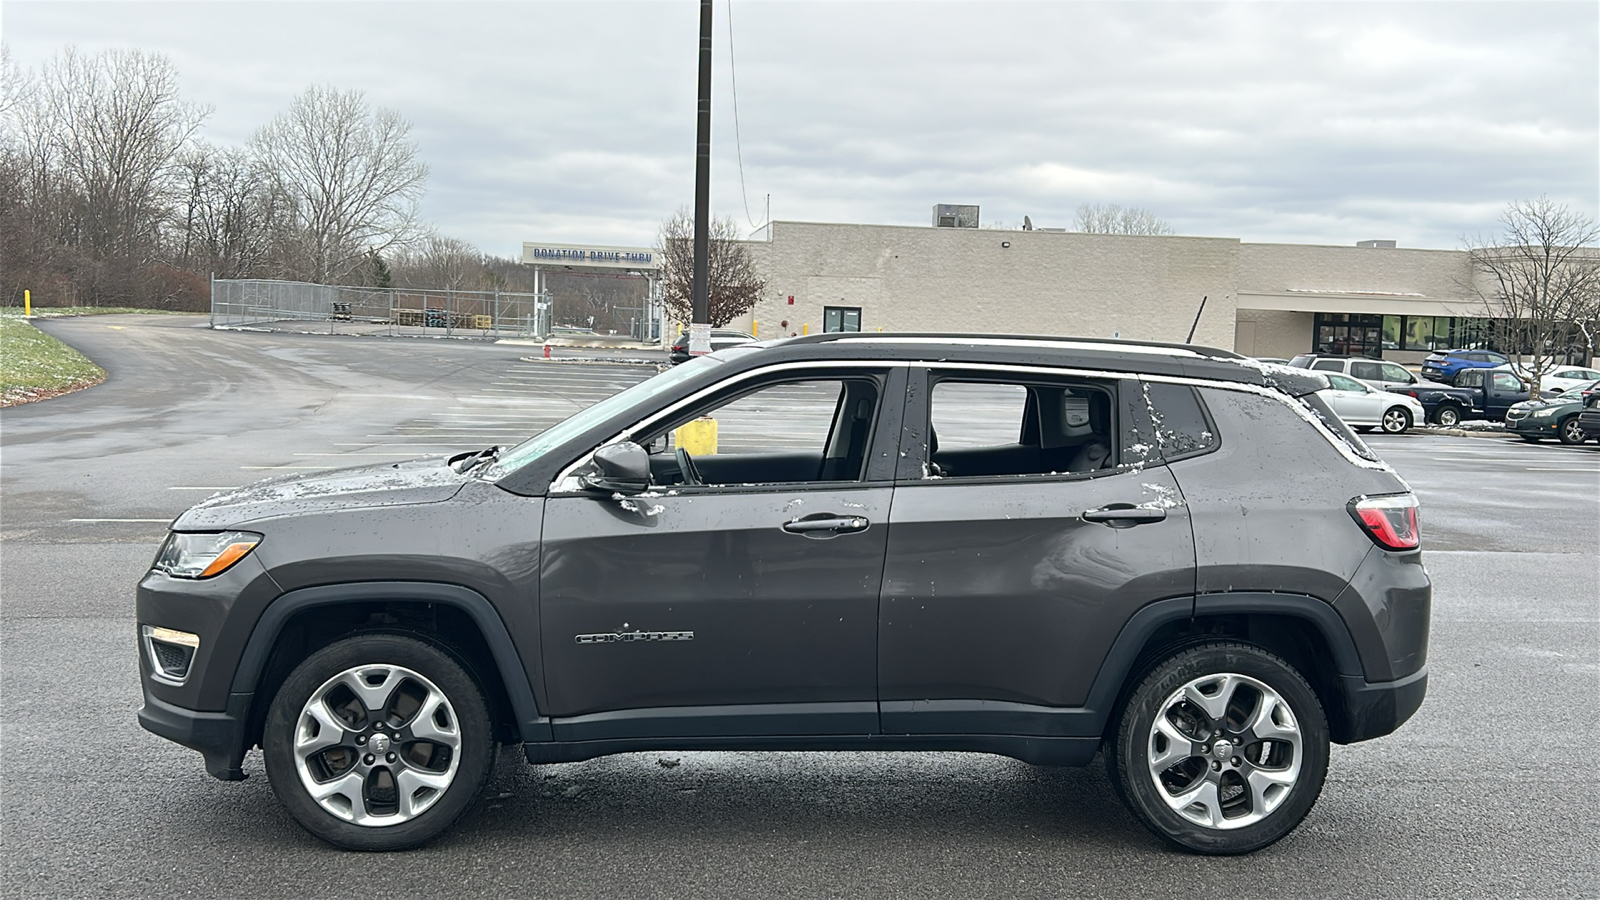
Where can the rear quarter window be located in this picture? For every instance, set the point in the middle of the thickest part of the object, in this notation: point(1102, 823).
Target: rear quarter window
point(1181, 425)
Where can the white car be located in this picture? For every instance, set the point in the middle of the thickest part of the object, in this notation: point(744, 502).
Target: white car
point(1364, 407)
point(1560, 378)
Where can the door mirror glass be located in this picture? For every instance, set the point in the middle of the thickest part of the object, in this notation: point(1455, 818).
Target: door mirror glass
point(620, 468)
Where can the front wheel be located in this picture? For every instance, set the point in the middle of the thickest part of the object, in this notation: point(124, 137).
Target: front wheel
point(1396, 420)
point(1570, 432)
point(1221, 749)
point(377, 742)
point(1448, 416)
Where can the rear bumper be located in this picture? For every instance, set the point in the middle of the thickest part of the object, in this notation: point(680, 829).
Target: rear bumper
point(1374, 709)
point(219, 736)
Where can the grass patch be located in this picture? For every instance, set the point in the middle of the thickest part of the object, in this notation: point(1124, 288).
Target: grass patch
point(35, 366)
point(47, 312)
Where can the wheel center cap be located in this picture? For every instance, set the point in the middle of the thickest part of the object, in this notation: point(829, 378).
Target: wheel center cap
point(380, 743)
point(1222, 749)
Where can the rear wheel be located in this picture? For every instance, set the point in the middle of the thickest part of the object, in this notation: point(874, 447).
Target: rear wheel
point(1396, 420)
point(1447, 415)
point(1221, 749)
point(1569, 432)
point(377, 742)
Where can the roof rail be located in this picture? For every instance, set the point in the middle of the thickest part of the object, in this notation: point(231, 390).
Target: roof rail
point(980, 338)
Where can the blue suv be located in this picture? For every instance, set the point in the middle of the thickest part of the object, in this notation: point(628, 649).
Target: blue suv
point(1445, 365)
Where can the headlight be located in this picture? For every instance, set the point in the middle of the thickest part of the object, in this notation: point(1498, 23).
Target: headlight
point(1543, 413)
point(187, 555)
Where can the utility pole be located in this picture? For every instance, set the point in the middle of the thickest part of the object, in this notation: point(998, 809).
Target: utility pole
point(699, 326)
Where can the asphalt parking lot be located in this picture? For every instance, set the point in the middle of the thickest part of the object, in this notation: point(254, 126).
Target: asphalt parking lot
point(1486, 793)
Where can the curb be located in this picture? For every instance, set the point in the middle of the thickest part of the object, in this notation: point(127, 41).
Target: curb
point(1463, 432)
point(586, 361)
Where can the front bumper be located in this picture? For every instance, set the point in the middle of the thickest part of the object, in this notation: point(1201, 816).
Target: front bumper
point(1541, 426)
point(219, 736)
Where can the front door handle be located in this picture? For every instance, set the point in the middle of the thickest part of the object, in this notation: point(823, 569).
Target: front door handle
point(826, 525)
point(1124, 515)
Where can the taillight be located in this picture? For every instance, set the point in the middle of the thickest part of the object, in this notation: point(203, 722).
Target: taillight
point(1390, 520)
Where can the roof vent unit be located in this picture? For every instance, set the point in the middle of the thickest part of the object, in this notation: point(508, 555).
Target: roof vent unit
point(1376, 245)
point(949, 215)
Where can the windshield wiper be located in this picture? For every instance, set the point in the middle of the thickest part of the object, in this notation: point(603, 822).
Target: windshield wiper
point(465, 464)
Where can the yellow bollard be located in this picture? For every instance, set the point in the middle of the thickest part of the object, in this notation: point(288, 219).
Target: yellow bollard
point(698, 438)
point(755, 328)
point(805, 329)
point(27, 303)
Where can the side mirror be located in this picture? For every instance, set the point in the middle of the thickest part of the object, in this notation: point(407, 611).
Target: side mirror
point(620, 468)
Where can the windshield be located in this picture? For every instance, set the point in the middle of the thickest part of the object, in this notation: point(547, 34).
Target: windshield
point(565, 430)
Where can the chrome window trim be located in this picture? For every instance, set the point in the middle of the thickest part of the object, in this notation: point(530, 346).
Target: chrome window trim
point(559, 484)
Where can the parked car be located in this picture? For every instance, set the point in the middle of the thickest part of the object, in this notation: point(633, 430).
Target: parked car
point(1580, 391)
point(1477, 394)
point(1364, 407)
point(1556, 417)
point(1444, 365)
point(1589, 418)
point(1558, 379)
point(719, 340)
point(1025, 546)
point(1381, 375)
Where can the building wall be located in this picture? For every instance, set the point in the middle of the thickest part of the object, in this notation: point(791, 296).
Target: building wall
point(1276, 268)
point(1273, 333)
point(959, 279)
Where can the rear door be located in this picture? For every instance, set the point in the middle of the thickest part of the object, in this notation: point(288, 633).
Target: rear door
point(1009, 572)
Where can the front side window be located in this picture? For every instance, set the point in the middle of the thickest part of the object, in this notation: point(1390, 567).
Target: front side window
point(1345, 383)
point(1505, 381)
point(983, 428)
point(784, 432)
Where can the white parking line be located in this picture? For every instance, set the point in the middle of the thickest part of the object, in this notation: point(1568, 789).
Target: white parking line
point(162, 521)
point(235, 487)
point(1554, 469)
point(359, 453)
point(286, 467)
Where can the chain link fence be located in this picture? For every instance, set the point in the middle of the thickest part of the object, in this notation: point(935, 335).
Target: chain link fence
point(333, 309)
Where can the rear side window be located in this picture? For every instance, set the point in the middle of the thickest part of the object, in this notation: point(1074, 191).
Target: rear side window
point(1366, 371)
point(1328, 365)
point(1182, 427)
point(981, 428)
point(1302, 361)
point(1392, 372)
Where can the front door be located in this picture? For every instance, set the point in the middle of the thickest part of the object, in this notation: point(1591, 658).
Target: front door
point(740, 595)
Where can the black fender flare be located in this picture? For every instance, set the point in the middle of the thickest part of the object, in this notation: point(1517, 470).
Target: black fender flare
point(1111, 682)
point(531, 725)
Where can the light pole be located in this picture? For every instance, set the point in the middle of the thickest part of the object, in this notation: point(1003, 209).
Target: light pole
point(700, 317)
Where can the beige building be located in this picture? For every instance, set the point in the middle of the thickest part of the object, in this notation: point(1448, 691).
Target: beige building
point(1271, 300)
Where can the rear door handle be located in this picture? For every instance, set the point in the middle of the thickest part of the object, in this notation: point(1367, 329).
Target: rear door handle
point(826, 525)
point(1124, 515)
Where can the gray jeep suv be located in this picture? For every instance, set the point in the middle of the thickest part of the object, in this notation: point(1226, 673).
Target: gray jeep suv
point(1043, 548)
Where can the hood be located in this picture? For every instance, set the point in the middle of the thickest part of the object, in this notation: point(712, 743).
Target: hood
point(390, 484)
point(1531, 405)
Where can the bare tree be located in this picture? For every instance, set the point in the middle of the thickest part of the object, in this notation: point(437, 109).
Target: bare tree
point(733, 285)
point(231, 217)
point(351, 175)
point(436, 261)
point(1539, 280)
point(96, 138)
point(1109, 218)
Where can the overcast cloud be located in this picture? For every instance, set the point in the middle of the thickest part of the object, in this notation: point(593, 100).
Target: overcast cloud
point(1288, 121)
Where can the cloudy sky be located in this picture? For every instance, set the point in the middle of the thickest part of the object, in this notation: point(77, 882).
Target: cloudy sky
point(1267, 121)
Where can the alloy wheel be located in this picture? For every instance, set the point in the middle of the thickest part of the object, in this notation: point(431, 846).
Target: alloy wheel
point(1571, 432)
point(1224, 751)
point(1396, 420)
point(377, 745)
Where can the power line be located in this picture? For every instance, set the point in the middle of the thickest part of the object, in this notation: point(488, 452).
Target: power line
point(738, 148)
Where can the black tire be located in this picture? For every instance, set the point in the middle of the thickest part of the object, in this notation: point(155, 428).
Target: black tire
point(1396, 420)
point(1448, 415)
point(1240, 819)
point(452, 746)
point(1569, 432)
